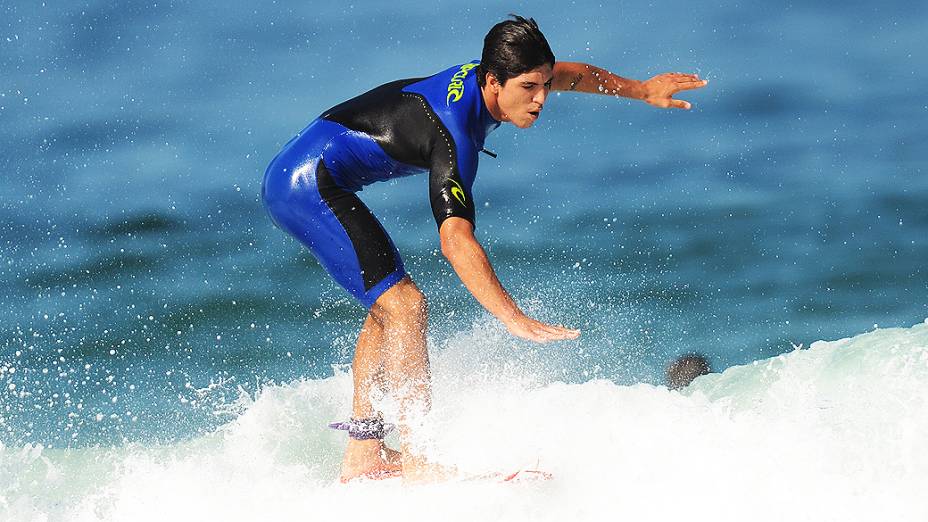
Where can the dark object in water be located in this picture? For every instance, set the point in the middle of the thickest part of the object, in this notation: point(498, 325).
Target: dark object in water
point(686, 368)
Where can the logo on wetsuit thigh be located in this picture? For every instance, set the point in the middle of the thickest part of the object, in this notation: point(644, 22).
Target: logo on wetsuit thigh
point(456, 86)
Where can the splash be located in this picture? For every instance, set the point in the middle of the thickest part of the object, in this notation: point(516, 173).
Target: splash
point(835, 431)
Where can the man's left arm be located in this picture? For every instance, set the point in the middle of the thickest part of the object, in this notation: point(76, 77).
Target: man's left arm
point(657, 91)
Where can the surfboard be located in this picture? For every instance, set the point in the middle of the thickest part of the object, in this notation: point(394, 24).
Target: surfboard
point(528, 475)
point(521, 475)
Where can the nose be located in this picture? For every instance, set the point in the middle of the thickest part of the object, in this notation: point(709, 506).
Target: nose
point(540, 97)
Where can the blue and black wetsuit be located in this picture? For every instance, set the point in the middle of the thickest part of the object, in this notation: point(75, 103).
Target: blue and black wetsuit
point(436, 124)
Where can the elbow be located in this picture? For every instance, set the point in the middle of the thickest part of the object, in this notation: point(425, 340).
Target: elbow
point(454, 233)
point(448, 245)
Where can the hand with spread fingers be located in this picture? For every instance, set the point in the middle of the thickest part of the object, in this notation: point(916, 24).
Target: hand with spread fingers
point(659, 90)
point(527, 328)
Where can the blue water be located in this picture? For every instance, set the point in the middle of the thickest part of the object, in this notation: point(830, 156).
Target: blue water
point(144, 288)
point(791, 437)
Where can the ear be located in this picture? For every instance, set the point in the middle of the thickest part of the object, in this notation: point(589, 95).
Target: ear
point(493, 83)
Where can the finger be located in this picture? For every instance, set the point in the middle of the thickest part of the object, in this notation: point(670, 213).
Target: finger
point(533, 333)
point(663, 102)
point(533, 336)
point(547, 334)
point(564, 336)
point(552, 332)
point(550, 328)
point(559, 332)
point(541, 338)
point(685, 86)
point(680, 104)
point(563, 330)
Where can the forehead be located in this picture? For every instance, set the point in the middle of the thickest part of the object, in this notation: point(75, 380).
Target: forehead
point(540, 74)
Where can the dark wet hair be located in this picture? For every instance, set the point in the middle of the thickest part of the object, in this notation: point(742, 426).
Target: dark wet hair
point(686, 368)
point(513, 47)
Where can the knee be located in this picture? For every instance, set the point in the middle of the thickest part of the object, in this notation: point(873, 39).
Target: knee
point(372, 325)
point(403, 303)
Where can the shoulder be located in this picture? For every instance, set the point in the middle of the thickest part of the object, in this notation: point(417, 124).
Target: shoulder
point(450, 90)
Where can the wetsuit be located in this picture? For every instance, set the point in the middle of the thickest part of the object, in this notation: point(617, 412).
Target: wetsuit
point(436, 124)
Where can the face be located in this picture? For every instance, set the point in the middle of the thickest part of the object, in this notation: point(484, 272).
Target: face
point(522, 97)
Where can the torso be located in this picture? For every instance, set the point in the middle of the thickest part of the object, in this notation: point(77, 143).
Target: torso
point(436, 124)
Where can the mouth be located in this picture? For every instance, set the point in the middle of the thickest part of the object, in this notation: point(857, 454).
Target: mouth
point(535, 114)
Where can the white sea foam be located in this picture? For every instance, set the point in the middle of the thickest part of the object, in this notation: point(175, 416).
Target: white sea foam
point(833, 432)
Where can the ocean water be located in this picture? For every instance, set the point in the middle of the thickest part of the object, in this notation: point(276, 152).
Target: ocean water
point(832, 432)
point(163, 345)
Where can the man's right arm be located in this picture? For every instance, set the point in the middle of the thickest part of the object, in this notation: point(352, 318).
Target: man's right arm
point(472, 266)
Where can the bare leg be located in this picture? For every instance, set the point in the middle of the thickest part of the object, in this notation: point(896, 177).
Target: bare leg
point(393, 341)
point(368, 457)
point(403, 313)
point(366, 367)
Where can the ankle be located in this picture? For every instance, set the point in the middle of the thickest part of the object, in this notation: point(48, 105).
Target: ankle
point(366, 446)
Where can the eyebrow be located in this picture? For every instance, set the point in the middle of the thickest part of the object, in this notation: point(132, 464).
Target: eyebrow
point(551, 79)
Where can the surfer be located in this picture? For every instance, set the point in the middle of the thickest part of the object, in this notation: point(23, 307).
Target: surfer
point(436, 124)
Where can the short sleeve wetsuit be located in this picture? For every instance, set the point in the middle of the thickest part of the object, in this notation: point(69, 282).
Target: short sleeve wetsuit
point(436, 124)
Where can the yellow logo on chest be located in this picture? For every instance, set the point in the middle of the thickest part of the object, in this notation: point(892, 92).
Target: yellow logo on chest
point(456, 86)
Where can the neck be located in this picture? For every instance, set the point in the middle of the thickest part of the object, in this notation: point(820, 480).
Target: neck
point(492, 103)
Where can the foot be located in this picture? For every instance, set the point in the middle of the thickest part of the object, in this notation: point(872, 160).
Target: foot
point(370, 459)
point(391, 456)
point(420, 471)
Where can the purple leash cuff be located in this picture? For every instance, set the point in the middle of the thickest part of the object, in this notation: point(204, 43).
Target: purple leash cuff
point(364, 429)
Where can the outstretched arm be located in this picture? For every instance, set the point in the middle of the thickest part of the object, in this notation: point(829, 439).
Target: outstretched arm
point(470, 262)
point(657, 91)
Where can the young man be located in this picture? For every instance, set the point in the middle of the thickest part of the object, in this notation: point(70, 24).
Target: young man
point(437, 125)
